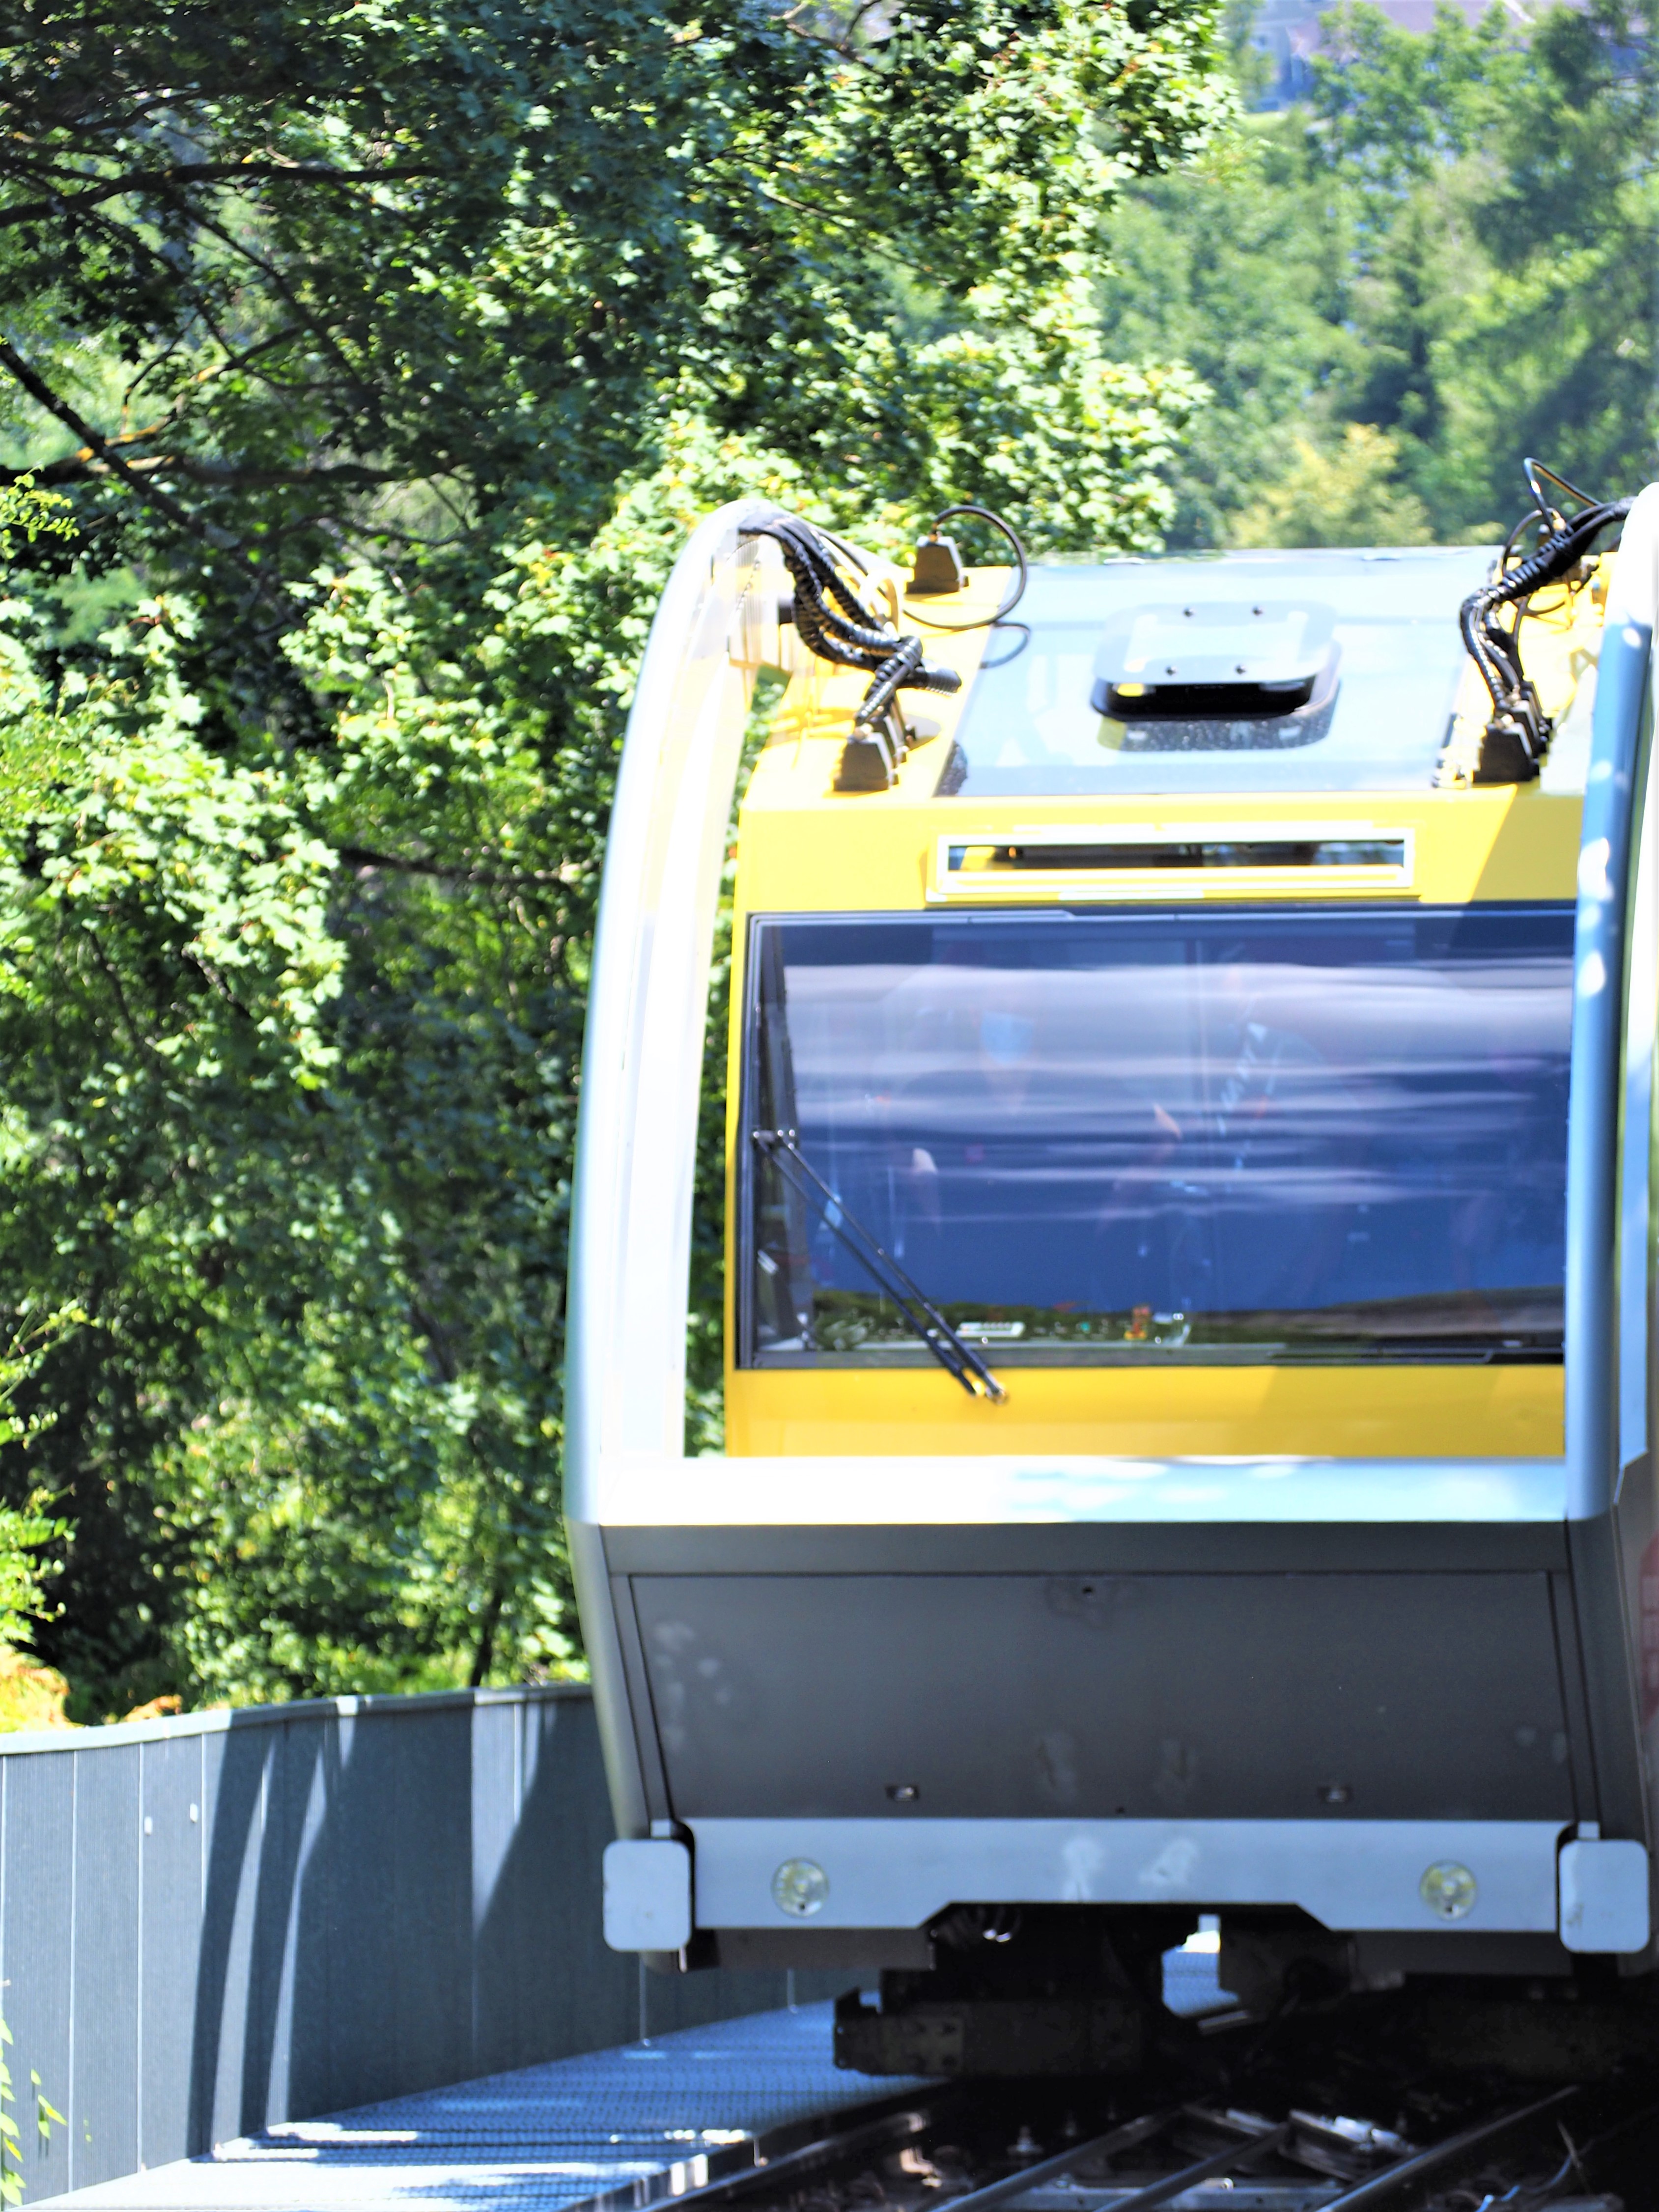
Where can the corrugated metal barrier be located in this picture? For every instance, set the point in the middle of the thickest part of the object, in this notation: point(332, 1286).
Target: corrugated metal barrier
point(213, 1921)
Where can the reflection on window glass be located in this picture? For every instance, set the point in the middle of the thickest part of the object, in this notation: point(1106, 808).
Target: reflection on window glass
point(1333, 1133)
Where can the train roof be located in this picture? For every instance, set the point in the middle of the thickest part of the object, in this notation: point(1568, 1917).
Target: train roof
point(1032, 727)
point(1049, 730)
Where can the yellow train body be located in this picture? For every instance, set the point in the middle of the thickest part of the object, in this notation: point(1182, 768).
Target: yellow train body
point(803, 847)
point(1191, 1258)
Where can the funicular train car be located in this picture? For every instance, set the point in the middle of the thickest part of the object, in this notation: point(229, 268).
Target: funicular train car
point(1191, 1312)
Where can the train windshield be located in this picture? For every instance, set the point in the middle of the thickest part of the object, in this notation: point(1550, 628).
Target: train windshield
point(1243, 1134)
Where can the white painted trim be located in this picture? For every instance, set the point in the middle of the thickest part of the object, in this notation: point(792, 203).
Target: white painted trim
point(648, 1002)
point(646, 1490)
point(1349, 1875)
point(631, 1238)
point(1635, 1135)
point(1623, 677)
point(220, 1718)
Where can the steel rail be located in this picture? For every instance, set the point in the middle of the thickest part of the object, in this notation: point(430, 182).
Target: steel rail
point(890, 2127)
point(1205, 2169)
point(900, 2119)
point(1372, 2190)
point(734, 2169)
point(1050, 2169)
point(1377, 2186)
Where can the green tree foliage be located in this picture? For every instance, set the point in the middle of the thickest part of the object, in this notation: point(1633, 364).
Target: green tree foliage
point(1451, 247)
point(1348, 496)
point(387, 354)
point(46, 2115)
point(29, 1530)
point(27, 1526)
point(28, 512)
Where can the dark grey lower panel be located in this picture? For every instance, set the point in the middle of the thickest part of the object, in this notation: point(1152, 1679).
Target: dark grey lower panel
point(1376, 1956)
point(1194, 1696)
point(826, 1950)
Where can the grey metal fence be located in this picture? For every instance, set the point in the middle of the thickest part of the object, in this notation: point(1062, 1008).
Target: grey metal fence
point(209, 1923)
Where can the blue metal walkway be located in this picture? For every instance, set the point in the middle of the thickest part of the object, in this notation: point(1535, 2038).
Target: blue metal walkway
point(643, 2121)
point(541, 2138)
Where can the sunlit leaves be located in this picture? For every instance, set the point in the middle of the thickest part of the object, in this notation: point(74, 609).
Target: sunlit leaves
point(411, 341)
point(1451, 249)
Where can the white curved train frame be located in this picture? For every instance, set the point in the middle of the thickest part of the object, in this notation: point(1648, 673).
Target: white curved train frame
point(625, 1462)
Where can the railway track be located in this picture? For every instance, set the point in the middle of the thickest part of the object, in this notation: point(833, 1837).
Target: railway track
point(1002, 2147)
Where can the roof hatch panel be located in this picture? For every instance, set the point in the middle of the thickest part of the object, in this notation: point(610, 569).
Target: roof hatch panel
point(1233, 673)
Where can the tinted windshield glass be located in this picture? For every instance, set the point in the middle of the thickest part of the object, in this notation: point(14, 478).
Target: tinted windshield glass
point(1251, 1134)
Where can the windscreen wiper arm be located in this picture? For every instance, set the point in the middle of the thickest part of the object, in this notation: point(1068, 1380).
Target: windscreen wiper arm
point(953, 1352)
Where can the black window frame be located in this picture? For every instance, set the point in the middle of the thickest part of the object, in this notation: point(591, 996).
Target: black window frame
point(1104, 1356)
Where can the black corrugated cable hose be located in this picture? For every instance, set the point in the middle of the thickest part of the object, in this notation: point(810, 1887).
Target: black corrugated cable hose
point(1518, 733)
point(832, 636)
point(895, 662)
point(903, 668)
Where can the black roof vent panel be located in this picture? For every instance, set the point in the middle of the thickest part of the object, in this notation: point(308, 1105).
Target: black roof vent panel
point(1220, 661)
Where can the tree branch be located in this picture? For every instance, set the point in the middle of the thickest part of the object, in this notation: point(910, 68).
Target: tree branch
point(91, 466)
point(233, 360)
point(320, 330)
point(39, 391)
point(193, 173)
point(365, 856)
point(841, 42)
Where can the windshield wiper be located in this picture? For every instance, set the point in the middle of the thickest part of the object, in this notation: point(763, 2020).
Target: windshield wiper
point(952, 1352)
